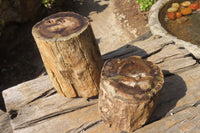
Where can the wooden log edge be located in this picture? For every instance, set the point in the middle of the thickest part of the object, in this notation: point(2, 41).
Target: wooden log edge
point(43, 31)
point(70, 54)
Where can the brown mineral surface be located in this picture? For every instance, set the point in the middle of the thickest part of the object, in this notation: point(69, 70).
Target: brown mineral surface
point(129, 91)
point(61, 24)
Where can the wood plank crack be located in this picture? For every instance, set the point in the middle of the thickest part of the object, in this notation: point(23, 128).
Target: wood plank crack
point(175, 56)
point(160, 49)
point(47, 93)
point(52, 115)
point(184, 107)
point(84, 127)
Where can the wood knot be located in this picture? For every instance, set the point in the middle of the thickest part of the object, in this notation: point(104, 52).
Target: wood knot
point(13, 114)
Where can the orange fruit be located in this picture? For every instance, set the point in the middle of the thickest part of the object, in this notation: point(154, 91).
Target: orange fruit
point(178, 15)
point(171, 15)
point(186, 11)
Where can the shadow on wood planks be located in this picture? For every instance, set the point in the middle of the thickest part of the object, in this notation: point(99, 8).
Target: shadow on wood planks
point(173, 90)
point(174, 87)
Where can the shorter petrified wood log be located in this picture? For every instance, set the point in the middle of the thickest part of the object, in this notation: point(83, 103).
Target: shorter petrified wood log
point(129, 90)
point(70, 54)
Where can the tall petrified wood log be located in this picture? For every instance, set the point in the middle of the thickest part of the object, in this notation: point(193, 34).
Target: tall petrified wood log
point(129, 90)
point(70, 54)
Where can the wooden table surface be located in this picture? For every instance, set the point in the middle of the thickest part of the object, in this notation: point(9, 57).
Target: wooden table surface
point(36, 107)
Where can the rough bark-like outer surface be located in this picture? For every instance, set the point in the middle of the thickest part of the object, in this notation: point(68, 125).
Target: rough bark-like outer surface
point(70, 54)
point(129, 91)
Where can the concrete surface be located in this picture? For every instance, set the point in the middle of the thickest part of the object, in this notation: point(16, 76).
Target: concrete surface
point(108, 31)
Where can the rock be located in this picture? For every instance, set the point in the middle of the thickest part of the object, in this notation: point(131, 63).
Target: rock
point(129, 91)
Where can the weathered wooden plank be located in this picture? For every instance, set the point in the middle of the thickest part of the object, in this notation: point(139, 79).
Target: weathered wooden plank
point(161, 51)
point(32, 92)
point(140, 48)
point(179, 91)
point(170, 51)
point(5, 126)
point(43, 115)
point(35, 106)
point(187, 120)
point(172, 58)
point(70, 122)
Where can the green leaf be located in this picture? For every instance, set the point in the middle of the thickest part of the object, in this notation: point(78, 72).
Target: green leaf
point(145, 4)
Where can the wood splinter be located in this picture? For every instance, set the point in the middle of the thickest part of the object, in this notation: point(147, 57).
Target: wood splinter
point(129, 90)
point(70, 54)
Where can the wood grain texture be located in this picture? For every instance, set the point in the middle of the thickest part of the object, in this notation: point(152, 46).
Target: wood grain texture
point(187, 120)
point(35, 106)
point(70, 54)
point(5, 126)
point(129, 91)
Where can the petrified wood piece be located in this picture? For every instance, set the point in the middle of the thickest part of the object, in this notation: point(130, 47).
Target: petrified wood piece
point(70, 54)
point(129, 91)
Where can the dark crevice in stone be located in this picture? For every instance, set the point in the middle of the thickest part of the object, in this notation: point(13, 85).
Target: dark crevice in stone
point(45, 94)
point(180, 70)
point(89, 126)
point(194, 58)
point(172, 56)
point(82, 128)
point(75, 90)
point(181, 48)
point(197, 103)
point(93, 97)
point(160, 62)
point(52, 93)
point(179, 109)
point(157, 51)
point(13, 114)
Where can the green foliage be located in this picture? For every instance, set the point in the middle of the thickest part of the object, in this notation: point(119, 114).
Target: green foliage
point(145, 4)
point(48, 3)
